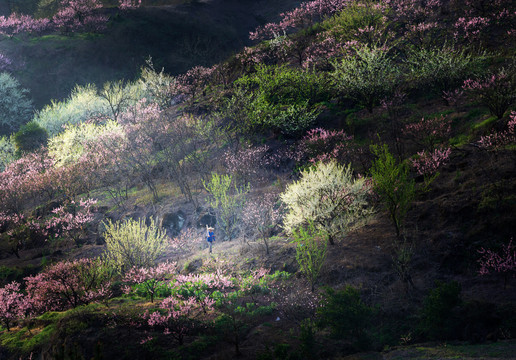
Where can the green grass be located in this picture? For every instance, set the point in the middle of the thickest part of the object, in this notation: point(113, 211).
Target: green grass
point(485, 123)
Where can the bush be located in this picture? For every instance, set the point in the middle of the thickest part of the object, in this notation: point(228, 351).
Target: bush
point(282, 98)
point(15, 106)
point(442, 69)
point(367, 76)
point(346, 315)
point(438, 319)
point(133, 243)
point(310, 251)
point(328, 195)
point(30, 138)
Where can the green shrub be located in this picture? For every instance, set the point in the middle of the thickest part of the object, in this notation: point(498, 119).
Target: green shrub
point(310, 251)
point(439, 318)
point(328, 195)
point(367, 76)
point(393, 184)
point(30, 138)
point(15, 106)
point(7, 151)
point(442, 69)
point(133, 243)
point(346, 315)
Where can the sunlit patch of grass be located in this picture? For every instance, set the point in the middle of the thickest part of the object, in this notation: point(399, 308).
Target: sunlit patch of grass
point(485, 123)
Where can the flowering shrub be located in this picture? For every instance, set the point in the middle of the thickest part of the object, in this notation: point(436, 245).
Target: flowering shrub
point(70, 220)
point(499, 140)
point(429, 132)
point(13, 304)
point(497, 92)
point(150, 279)
point(427, 163)
point(321, 145)
point(260, 216)
point(133, 243)
point(503, 261)
point(330, 196)
point(69, 284)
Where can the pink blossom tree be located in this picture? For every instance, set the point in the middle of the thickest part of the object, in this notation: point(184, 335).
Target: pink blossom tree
point(68, 284)
point(14, 305)
point(503, 261)
point(151, 278)
point(260, 216)
point(498, 140)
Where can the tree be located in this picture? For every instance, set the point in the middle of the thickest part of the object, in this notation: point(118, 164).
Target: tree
point(133, 243)
point(228, 202)
point(13, 304)
point(15, 106)
point(393, 184)
point(503, 261)
point(329, 195)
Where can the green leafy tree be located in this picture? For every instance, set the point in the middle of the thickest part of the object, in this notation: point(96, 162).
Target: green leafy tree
point(393, 184)
point(367, 76)
point(228, 201)
point(310, 251)
point(329, 195)
point(15, 106)
point(133, 243)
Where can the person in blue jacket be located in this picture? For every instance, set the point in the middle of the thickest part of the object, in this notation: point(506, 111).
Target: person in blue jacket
point(210, 235)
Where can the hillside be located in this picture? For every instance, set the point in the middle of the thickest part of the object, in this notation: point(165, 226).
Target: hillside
point(338, 184)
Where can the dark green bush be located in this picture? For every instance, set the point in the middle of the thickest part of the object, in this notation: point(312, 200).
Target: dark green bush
point(346, 315)
point(30, 138)
point(439, 318)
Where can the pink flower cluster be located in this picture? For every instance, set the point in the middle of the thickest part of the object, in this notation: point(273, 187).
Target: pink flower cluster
point(499, 140)
point(427, 163)
point(470, 28)
point(500, 262)
point(324, 145)
point(301, 17)
point(151, 277)
point(429, 132)
point(71, 218)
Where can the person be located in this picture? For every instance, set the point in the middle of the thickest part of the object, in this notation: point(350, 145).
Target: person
point(210, 235)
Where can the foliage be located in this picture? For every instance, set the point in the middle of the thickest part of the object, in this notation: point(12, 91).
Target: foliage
point(15, 106)
point(30, 138)
point(310, 251)
point(133, 243)
point(345, 314)
point(7, 151)
point(442, 69)
point(282, 98)
point(68, 284)
point(82, 104)
point(393, 184)
point(367, 76)
point(228, 202)
point(438, 320)
point(330, 196)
